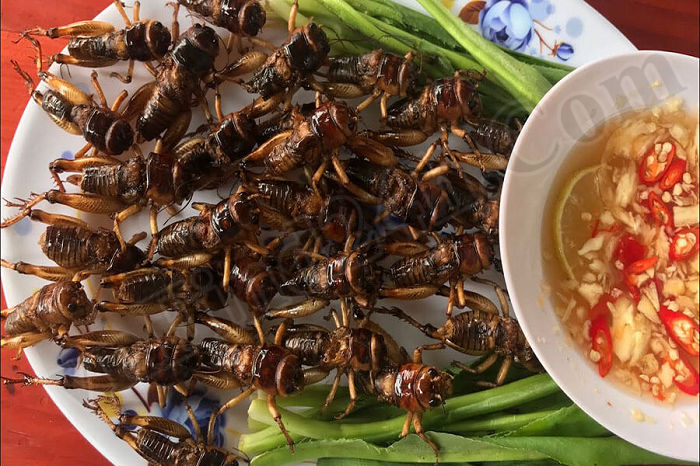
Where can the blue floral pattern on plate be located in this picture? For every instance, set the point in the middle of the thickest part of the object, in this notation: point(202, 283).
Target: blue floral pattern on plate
point(203, 404)
point(519, 25)
point(67, 359)
point(507, 22)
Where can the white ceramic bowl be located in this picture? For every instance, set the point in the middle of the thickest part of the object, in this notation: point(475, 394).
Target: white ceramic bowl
point(585, 98)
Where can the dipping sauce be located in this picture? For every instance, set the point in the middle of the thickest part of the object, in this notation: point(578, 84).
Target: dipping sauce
point(623, 268)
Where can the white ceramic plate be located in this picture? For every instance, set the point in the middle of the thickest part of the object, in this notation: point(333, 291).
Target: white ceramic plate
point(580, 102)
point(38, 141)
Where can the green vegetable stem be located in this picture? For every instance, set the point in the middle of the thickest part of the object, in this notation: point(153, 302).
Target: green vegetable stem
point(523, 81)
point(432, 59)
point(455, 409)
point(427, 28)
point(571, 451)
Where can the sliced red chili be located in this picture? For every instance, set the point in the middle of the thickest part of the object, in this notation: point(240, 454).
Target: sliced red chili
point(659, 287)
point(634, 292)
point(602, 343)
point(614, 228)
point(659, 210)
point(651, 170)
point(682, 329)
point(691, 382)
point(685, 244)
point(629, 250)
point(641, 265)
point(595, 229)
point(673, 174)
point(601, 307)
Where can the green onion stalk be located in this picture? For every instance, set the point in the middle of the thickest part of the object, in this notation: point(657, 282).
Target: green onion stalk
point(399, 29)
point(434, 60)
point(407, 19)
point(527, 422)
point(455, 409)
point(523, 81)
point(270, 436)
point(573, 451)
point(428, 28)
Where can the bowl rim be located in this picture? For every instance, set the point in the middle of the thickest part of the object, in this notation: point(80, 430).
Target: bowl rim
point(548, 101)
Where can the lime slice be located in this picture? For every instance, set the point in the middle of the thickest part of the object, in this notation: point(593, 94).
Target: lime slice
point(580, 194)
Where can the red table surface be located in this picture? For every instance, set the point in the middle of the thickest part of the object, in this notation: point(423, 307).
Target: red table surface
point(32, 429)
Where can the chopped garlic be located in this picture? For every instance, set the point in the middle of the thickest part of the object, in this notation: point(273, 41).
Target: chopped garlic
point(646, 307)
point(686, 215)
point(672, 306)
point(627, 218)
point(622, 330)
point(642, 335)
point(593, 244)
point(673, 354)
point(607, 218)
point(656, 346)
point(591, 292)
point(674, 287)
point(587, 330)
point(666, 375)
point(648, 364)
point(679, 134)
point(598, 266)
point(626, 188)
